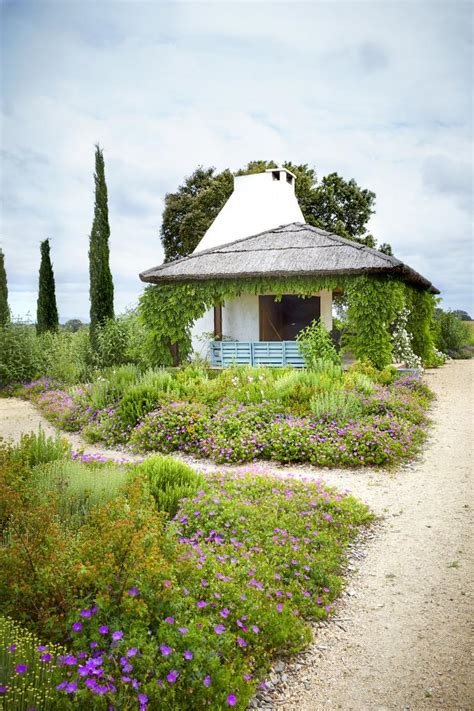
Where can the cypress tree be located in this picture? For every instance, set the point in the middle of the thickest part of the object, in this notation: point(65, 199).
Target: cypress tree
point(4, 310)
point(101, 284)
point(47, 311)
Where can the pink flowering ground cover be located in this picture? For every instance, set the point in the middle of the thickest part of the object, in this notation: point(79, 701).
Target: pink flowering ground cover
point(387, 425)
point(157, 612)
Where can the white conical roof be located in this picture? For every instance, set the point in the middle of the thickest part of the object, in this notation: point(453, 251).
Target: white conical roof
point(260, 202)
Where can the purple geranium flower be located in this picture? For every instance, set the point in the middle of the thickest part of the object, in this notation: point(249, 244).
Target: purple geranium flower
point(188, 655)
point(104, 629)
point(169, 620)
point(12, 648)
point(21, 668)
point(172, 676)
point(133, 592)
point(207, 680)
point(232, 699)
point(118, 635)
point(165, 650)
point(77, 627)
point(183, 630)
point(219, 629)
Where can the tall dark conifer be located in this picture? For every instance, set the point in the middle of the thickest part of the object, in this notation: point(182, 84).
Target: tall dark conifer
point(47, 311)
point(4, 309)
point(101, 284)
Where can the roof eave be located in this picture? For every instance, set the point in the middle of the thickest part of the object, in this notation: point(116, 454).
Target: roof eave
point(403, 272)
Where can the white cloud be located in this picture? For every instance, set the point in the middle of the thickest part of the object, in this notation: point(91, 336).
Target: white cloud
point(377, 91)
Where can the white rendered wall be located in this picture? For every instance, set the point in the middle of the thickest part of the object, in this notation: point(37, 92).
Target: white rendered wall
point(205, 324)
point(326, 308)
point(240, 320)
point(258, 203)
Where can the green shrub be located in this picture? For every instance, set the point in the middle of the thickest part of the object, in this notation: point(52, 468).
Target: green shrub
point(20, 353)
point(386, 376)
point(169, 481)
point(111, 385)
point(118, 341)
point(34, 449)
point(76, 488)
point(54, 566)
point(66, 356)
point(315, 344)
point(171, 427)
point(452, 334)
point(359, 382)
point(153, 387)
point(336, 404)
point(295, 389)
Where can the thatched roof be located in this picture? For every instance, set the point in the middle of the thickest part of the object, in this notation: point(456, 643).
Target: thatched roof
point(297, 249)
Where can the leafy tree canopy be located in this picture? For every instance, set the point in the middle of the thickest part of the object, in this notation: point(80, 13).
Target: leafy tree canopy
point(333, 204)
point(463, 315)
point(73, 325)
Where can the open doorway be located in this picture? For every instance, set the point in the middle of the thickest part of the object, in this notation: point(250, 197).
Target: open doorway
point(283, 320)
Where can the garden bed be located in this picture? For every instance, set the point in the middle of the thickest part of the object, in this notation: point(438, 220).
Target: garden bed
point(325, 417)
point(153, 586)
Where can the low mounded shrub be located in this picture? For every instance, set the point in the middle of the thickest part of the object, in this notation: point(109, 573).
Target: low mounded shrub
point(173, 427)
point(77, 489)
point(336, 404)
point(169, 481)
point(34, 449)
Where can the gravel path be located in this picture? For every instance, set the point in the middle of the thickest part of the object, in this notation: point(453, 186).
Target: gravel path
point(402, 635)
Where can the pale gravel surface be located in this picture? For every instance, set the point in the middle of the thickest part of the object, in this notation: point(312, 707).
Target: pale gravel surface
point(404, 636)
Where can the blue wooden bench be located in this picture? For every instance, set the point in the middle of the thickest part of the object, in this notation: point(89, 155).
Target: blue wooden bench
point(270, 353)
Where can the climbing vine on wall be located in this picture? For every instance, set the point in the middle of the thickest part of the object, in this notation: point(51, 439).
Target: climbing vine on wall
point(421, 305)
point(169, 311)
point(373, 304)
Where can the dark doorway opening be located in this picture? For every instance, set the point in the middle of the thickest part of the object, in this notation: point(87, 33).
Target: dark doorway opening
point(283, 320)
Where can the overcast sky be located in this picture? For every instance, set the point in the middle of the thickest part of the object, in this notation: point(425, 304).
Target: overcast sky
point(377, 91)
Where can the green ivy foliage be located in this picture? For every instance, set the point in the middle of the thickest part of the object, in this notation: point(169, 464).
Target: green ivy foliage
point(421, 305)
point(373, 304)
point(168, 311)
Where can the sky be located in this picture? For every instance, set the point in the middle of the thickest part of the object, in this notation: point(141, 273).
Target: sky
point(378, 91)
